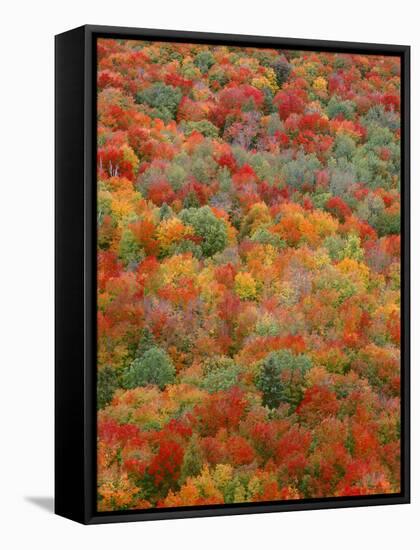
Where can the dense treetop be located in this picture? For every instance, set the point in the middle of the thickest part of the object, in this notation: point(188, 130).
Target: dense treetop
point(248, 274)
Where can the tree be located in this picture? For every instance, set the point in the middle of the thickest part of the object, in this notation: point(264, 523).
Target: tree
point(281, 378)
point(164, 99)
point(153, 367)
point(301, 170)
point(264, 236)
point(221, 378)
point(204, 60)
point(191, 200)
point(106, 385)
point(258, 217)
point(338, 208)
point(212, 230)
point(129, 251)
point(337, 108)
point(193, 460)
point(282, 70)
point(352, 248)
point(165, 467)
point(165, 212)
point(245, 286)
point(240, 451)
point(290, 101)
point(144, 233)
point(204, 127)
point(172, 231)
point(146, 342)
point(318, 403)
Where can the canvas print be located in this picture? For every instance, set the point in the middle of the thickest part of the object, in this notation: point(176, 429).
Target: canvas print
point(248, 275)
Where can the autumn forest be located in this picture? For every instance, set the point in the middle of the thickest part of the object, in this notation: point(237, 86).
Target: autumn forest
point(248, 253)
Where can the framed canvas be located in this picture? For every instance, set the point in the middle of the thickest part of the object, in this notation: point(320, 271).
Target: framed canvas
point(232, 274)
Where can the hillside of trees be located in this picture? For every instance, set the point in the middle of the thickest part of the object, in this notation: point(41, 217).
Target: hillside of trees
point(248, 215)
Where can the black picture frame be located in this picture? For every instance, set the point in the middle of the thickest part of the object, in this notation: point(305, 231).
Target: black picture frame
point(75, 273)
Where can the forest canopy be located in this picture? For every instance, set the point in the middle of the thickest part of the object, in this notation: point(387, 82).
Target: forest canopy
point(248, 222)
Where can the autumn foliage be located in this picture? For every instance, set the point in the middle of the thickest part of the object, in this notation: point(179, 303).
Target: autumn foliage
point(248, 322)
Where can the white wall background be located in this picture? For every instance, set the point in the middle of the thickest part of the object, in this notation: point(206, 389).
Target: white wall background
point(26, 273)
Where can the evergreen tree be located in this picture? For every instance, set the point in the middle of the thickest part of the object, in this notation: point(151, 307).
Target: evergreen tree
point(281, 378)
point(146, 342)
point(107, 383)
point(193, 460)
point(153, 367)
